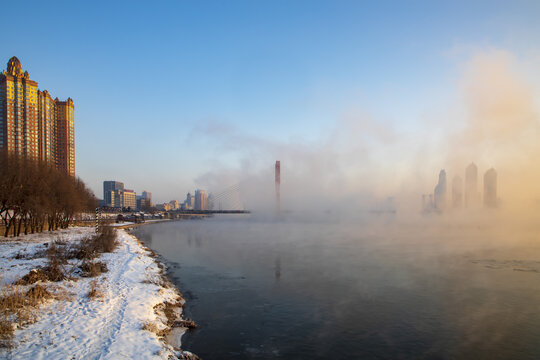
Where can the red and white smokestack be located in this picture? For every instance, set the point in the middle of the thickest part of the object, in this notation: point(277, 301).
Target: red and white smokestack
point(278, 184)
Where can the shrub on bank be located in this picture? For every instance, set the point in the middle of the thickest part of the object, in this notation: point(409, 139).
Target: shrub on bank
point(103, 242)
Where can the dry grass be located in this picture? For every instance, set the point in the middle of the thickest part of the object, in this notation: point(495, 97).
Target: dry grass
point(187, 323)
point(6, 334)
point(92, 246)
point(54, 271)
point(59, 252)
point(58, 248)
point(106, 239)
point(32, 277)
point(171, 312)
point(18, 307)
point(94, 292)
point(186, 355)
point(37, 295)
point(93, 268)
point(14, 298)
point(153, 328)
point(156, 280)
point(55, 267)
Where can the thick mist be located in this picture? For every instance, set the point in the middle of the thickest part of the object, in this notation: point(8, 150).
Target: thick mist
point(368, 165)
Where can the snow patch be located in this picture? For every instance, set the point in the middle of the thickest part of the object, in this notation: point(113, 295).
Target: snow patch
point(109, 326)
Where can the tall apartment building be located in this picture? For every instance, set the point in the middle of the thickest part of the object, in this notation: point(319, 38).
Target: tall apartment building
point(114, 195)
point(471, 186)
point(145, 200)
point(111, 193)
point(129, 199)
point(490, 188)
point(189, 203)
point(201, 200)
point(148, 196)
point(65, 136)
point(32, 123)
point(175, 205)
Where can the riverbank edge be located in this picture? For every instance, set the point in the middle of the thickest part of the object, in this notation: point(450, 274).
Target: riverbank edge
point(174, 311)
point(147, 277)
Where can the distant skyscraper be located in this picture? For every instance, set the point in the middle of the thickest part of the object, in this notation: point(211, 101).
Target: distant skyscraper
point(174, 204)
point(189, 204)
point(19, 127)
point(440, 192)
point(111, 193)
point(32, 123)
point(145, 200)
point(471, 186)
point(457, 192)
point(47, 126)
point(490, 188)
point(128, 199)
point(147, 195)
point(65, 136)
point(201, 200)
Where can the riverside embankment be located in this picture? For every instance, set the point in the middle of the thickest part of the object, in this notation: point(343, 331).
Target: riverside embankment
point(116, 305)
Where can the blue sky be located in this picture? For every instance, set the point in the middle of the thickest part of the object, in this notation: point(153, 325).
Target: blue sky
point(158, 85)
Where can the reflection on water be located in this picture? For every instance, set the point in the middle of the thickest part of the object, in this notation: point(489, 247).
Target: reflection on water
point(299, 290)
point(278, 269)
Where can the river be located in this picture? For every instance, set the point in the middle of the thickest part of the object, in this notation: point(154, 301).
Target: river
point(355, 289)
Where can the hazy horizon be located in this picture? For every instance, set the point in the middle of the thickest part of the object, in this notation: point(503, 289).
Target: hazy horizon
point(359, 102)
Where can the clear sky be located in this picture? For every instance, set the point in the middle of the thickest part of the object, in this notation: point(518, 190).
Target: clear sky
point(166, 92)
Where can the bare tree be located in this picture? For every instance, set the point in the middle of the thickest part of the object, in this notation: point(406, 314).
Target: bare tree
point(34, 193)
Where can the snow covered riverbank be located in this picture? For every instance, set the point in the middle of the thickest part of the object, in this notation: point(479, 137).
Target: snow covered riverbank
point(124, 312)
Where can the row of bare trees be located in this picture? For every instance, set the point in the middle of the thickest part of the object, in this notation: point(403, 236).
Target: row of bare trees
point(33, 194)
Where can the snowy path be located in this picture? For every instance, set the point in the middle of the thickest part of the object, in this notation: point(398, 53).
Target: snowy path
point(105, 328)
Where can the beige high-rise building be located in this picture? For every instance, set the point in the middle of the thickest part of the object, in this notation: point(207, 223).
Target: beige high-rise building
point(65, 136)
point(201, 200)
point(47, 126)
point(129, 199)
point(457, 192)
point(471, 186)
point(174, 204)
point(439, 194)
point(490, 188)
point(18, 111)
point(32, 123)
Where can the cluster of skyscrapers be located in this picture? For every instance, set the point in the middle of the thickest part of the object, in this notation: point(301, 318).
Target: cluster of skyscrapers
point(463, 195)
point(116, 196)
point(32, 123)
point(199, 201)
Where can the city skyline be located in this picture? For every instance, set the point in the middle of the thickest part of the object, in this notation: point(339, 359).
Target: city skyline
point(203, 95)
point(454, 199)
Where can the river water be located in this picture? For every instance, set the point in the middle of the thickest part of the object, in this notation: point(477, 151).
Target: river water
point(330, 289)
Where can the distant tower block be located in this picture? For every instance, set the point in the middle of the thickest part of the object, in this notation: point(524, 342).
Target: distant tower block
point(278, 185)
point(471, 186)
point(439, 194)
point(457, 192)
point(490, 188)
